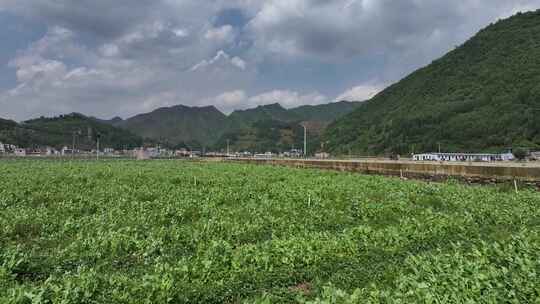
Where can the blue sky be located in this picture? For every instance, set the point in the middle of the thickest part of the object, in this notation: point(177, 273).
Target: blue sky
point(107, 58)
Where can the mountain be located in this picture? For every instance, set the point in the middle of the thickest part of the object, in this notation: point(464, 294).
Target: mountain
point(6, 124)
point(199, 127)
point(179, 124)
point(261, 113)
point(60, 131)
point(115, 121)
point(325, 112)
point(482, 96)
point(7, 131)
point(276, 129)
point(266, 135)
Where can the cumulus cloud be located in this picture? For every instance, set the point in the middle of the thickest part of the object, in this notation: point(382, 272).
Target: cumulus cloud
point(360, 93)
point(224, 34)
point(109, 58)
point(239, 99)
point(221, 61)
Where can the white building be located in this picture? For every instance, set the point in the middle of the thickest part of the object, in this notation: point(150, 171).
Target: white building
point(322, 155)
point(66, 151)
point(2, 149)
point(463, 157)
point(20, 152)
point(267, 155)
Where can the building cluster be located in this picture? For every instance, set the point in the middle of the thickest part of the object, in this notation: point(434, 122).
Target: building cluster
point(293, 153)
point(159, 152)
point(13, 150)
point(464, 157)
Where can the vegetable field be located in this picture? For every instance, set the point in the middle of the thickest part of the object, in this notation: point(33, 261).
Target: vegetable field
point(181, 232)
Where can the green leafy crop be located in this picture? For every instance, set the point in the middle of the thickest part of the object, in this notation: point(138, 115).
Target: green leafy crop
point(182, 232)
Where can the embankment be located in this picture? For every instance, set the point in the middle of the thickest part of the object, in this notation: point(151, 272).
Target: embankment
point(480, 173)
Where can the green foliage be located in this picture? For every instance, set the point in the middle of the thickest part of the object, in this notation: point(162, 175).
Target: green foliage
point(182, 232)
point(178, 124)
point(482, 96)
point(269, 136)
point(208, 127)
point(326, 112)
point(275, 129)
point(520, 153)
point(58, 132)
point(275, 112)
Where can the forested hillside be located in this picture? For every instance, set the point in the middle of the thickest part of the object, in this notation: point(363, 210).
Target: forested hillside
point(178, 124)
point(482, 96)
point(207, 127)
point(60, 131)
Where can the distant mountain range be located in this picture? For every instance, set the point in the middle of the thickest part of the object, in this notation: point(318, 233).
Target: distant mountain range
point(63, 130)
point(482, 96)
point(207, 127)
point(178, 125)
point(276, 129)
point(181, 126)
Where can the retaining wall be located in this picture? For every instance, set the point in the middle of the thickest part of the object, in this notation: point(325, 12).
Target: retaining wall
point(473, 172)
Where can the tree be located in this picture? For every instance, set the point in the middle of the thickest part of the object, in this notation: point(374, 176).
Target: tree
point(520, 153)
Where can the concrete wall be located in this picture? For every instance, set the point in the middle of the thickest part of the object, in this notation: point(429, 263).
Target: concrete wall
point(492, 171)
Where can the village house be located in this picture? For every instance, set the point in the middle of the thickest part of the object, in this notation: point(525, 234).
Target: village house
point(322, 155)
point(20, 152)
point(66, 151)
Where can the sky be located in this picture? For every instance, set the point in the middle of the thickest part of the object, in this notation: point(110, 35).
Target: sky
point(124, 57)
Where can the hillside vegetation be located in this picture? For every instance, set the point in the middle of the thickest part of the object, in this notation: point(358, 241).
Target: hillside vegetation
point(59, 131)
point(178, 124)
point(246, 118)
point(482, 96)
point(263, 128)
point(272, 128)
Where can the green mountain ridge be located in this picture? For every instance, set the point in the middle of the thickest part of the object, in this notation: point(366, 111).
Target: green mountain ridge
point(261, 113)
point(482, 96)
point(207, 127)
point(276, 129)
point(178, 124)
point(59, 131)
point(325, 112)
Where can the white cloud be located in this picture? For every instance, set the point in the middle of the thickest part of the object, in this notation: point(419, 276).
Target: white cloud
point(360, 93)
point(239, 99)
point(230, 100)
point(222, 60)
point(97, 60)
point(180, 32)
point(288, 99)
point(222, 35)
point(109, 50)
point(50, 69)
point(238, 62)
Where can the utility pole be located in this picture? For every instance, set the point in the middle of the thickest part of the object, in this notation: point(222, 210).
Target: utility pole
point(97, 146)
point(75, 133)
point(305, 140)
point(439, 148)
point(73, 147)
point(227, 148)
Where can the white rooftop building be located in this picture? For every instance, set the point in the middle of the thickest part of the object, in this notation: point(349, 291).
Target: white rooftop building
point(463, 157)
point(20, 152)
